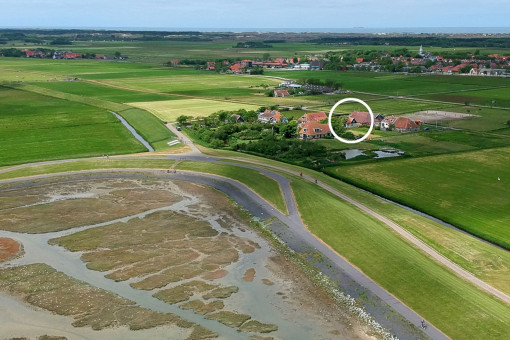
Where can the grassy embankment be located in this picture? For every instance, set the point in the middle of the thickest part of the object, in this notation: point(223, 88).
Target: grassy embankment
point(451, 304)
point(264, 186)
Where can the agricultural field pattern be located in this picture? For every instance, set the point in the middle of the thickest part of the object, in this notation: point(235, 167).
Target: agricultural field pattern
point(142, 197)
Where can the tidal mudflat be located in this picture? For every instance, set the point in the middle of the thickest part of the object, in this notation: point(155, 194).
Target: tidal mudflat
point(127, 257)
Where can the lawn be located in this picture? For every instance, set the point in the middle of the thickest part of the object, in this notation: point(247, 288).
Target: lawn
point(462, 189)
point(264, 186)
point(456, 307)
point(169, 110)
point(35, 128)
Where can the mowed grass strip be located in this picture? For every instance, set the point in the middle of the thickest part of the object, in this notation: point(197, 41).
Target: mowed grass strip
point(462, 189)
point(453, 305)
point(266, 187)
point(36, 128)
point(171, 109)
point(88, 164)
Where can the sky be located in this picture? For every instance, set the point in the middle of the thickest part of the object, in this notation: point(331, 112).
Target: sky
point(253, 13)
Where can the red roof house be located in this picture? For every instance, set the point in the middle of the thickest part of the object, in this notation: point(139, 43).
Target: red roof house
point(281, 93)
point(358, 118)
point(403, 124)
point(313, 117)
point(314, 130)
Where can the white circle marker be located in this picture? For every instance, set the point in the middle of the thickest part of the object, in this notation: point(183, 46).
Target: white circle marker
point(347, 100)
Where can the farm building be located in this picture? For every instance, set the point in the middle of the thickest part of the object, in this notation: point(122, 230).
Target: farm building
point(403, 124)
point(272, 117)
point(314, 130)
point(237, 68)
point(357, 119)
point(312, 117)
point(281, 93)
point(237, 118)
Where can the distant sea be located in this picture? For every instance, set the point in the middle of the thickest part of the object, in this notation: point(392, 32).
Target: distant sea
point(376, 30)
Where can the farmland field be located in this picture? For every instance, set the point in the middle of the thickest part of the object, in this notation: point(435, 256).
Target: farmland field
point(171, 109)
point(36, 128)
point(397, 84)
point(462, 189)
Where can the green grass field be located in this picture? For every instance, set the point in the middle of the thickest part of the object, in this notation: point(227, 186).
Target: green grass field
point(462, 189)
point(171, 109)
point(264, 186)
point(36, 128)
point(451, 304)
point(146, 124)
point(397, 84)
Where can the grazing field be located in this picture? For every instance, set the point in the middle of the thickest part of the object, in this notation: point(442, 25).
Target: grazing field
point(397, 84)
point(389, 106)
point(498, 97)
point(88, 89)
point(169, 110)
point(465, 312)
point(148, 126)
point(462, 189)
point(12, 76)
point(199, 84)
point(35, 128)
point(264, 186)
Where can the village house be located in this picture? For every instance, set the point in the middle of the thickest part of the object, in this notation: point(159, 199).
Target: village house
point(403, 124)
point(317, 65)
point(281, 93)
point(357, 119)
point(237, 68)
point(272, 117)
point(400, 124)
point(318, 88)
point(387, 122)
point(210, 66)
point(314, 130)
point(312, 117)
point(237, 118)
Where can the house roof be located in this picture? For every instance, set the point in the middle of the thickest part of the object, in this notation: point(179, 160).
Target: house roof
point(405, 123)
point(313, 117)
point(311, 127)
point(359, 117)
point(268, 114)
point(236, 67)
point(282, 93)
